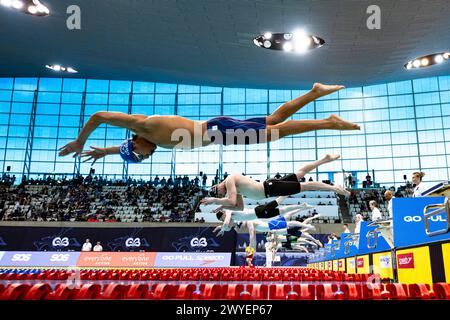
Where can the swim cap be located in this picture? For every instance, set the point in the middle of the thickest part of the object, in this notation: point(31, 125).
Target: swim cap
point(126, 151)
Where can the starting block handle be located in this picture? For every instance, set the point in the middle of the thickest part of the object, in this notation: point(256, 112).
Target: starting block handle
point(372, 235)
point(437, 209)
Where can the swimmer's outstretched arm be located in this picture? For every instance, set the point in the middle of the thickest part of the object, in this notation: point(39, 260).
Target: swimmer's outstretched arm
point(238, 207)
point(119, 119)
point(97, 153)
point(232, 197)
point(252, 234)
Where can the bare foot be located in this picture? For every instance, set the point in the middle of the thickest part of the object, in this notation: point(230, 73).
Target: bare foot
point(324, 89)
point(331, 157)
point(339, 189)
point(341, 124)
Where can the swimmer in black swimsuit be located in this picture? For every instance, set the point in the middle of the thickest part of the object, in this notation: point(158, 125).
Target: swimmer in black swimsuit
point(229, 192)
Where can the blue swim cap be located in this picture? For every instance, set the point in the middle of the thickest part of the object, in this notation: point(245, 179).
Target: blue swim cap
point(126, 151)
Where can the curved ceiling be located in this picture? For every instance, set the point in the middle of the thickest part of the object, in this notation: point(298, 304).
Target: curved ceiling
point(209, 42)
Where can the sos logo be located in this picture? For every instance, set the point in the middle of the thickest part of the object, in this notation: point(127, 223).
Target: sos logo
point(59, 258)
point(21, 257)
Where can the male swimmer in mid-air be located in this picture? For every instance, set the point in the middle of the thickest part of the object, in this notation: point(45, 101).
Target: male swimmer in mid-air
point(229, 192)
point(265, 211)
point(280, 224)
point(289, 240)
point(178, 132)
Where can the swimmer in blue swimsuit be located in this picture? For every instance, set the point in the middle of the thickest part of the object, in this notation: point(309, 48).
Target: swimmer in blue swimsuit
point(172, 131)
point(279, 225)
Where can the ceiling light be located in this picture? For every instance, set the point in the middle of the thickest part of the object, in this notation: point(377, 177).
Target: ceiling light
point(6, 3)
point(31, 7)
point(297, 41)
point(59, 68)
point(427, 60)
point(267, 35)
point(439, 58)
point(17, 4)
point(71, 70)
point(287, 46)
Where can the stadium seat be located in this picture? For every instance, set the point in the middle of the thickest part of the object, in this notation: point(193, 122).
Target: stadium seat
point(419, 291)
point(232, 291)
point(397, 291)
point(114, 291)
point(350, 291)
point(278, 291)
point(15, 291)
point(39, 291)
point(324, 292)
point(63, 292)
point(89, 291)
point(137, 291)
point(185, 291)
point(210, 291)
point(307, 291)
point(442, 290)
point(162, 291)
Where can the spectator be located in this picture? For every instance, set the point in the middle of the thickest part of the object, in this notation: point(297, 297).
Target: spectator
point(87, 246)
point(346, 229)
point(278, 176)
point(419, 187)
point(310, 179)
point(98, 247)
point(331, 237)
point(358, 219)
point(376, 214)
point(388, 196)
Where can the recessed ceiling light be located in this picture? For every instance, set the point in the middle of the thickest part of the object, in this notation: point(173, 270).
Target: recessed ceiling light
point(267, 35)
point(427, 60)
point(267, 44)
point(424, 62)
point(439, 58)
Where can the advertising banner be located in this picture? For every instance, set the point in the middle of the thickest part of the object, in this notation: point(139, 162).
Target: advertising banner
point(164, 239)
point(39, 259)
point(192, 260)
point(409, 222)
point(116, 259)
point(371, 241)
